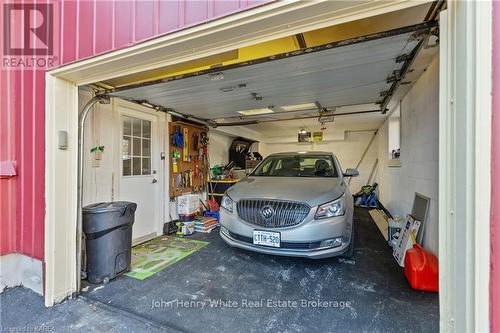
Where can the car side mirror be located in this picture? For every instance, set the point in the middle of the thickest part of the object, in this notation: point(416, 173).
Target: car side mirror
point(351, 173)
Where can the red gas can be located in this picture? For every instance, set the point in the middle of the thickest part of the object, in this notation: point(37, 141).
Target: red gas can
point(421, 269)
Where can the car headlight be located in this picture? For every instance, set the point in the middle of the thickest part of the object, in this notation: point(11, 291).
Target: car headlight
point(227, 203)
point(331, 209)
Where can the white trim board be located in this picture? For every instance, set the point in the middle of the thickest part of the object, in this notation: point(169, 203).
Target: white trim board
point(464, 166)
point(20, 270)
point(61, 113)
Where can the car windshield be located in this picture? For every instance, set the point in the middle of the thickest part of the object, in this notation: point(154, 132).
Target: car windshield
point(297, 166)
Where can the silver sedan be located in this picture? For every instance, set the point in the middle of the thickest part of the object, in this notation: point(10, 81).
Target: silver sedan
point(293, 204)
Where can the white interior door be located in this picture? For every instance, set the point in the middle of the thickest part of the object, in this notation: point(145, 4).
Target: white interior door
point(139, 169)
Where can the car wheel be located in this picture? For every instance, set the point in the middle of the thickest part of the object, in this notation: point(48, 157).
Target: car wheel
point(350, 250)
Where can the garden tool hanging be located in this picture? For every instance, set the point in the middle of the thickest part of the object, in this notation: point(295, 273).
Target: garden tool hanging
point(196, 169)
point(175, 157)
point(196, 140)
point(178, 137)
point(185, 150)
point(188, 178)
point(204, 139)
point(179, 182)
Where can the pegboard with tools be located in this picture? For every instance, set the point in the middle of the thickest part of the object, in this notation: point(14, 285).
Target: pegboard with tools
point(188, 158)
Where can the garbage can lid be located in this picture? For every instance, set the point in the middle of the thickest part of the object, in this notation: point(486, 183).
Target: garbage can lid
point(105, 207)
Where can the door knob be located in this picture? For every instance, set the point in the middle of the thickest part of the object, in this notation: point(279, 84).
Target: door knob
point(154, 181)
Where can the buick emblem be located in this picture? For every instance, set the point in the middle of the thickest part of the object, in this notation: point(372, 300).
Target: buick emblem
point(267, 212)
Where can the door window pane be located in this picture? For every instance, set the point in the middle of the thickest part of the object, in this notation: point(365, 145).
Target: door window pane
point(146, 148)
point(136, 147)
point(146, 129)
point(127, 126)
point(137, 129)
point(146, 166)
point(127, 167)
point(126, 148)
point(136, 166)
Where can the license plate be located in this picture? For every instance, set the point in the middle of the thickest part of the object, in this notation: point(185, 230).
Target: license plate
point(266, 238)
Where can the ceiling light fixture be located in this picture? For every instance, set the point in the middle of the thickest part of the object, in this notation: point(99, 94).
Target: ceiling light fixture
point(302, 131)
point(253, 112)
point(297, 107)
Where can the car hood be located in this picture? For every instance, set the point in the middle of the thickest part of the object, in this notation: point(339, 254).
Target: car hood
point(311, 190)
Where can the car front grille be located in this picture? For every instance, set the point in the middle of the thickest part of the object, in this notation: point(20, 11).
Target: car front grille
point(272, 213)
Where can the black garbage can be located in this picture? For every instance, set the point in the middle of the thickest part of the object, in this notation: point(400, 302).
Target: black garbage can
point(108, 231)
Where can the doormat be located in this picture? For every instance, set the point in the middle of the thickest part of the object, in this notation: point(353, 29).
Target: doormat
point(151, 257)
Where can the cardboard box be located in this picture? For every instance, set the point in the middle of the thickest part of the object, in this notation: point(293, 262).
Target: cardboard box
point(188, 204)
point(406, 241)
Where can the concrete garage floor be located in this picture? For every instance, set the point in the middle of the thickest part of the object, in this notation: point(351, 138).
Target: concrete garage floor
point(367, 293)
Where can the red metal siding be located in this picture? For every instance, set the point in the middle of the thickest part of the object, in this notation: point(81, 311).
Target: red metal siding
point(68, 30)
point(169, 12)
point(87, 28)
point(495, 177)
point(86, 33)
point(7, 153)
point(146, 19)
point(124, 30)
point(104, 26)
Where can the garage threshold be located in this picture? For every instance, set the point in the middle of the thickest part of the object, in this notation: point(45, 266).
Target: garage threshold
point(220, 289)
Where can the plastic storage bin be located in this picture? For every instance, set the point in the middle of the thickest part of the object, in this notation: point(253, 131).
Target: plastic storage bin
point(108, 230)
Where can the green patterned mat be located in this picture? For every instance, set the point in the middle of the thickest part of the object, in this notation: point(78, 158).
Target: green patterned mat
point(153, 256)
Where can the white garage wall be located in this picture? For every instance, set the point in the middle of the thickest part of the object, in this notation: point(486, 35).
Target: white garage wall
point(348, 151)
point(99, 131)
point(419, 154)
point(218, 147)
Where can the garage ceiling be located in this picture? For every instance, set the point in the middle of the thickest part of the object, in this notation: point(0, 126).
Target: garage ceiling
point(337, 76)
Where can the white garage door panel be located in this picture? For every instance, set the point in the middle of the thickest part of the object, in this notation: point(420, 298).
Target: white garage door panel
point(352, 74)
point(271, 85)
point(365, 95)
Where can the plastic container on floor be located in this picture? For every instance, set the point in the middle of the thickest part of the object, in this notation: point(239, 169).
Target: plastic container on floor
point(421, 269)
point(108, 230)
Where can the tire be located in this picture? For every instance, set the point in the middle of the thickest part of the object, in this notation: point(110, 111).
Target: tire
point(350, 250)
